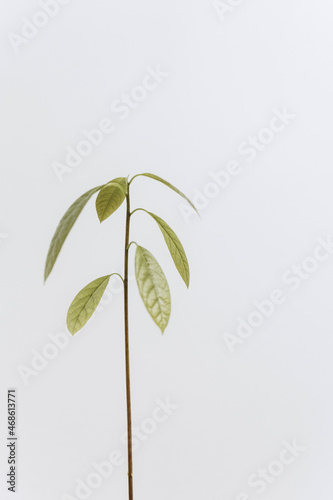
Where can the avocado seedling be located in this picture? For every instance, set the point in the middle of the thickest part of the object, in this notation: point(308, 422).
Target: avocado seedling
point(150, 278)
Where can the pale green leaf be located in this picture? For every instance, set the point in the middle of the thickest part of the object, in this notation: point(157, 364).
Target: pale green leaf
point(153, 287)
point(159, 179)
point(64, 227)
point(85, 303)
point(111, 197)
point(175, 247)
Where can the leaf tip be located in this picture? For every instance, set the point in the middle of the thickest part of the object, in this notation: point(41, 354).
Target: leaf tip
point(164, 327)
point(101, 216)
point(46, 275)
point(196, 210)
point(71, 330)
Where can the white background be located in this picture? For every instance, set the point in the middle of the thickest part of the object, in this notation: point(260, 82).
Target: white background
point(235, 410)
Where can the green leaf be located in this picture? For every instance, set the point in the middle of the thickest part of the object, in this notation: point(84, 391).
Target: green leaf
point(153, 287)
point(159, 179)
point(111, 197)
point(175, 247)
point(85, 303)
point(64, 227)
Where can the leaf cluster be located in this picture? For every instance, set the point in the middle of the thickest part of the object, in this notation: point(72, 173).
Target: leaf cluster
point(151, 281)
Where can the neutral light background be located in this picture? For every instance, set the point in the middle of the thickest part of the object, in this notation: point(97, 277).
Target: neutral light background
point(235, 410)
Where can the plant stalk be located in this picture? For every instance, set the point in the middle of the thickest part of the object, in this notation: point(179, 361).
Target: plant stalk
point(127, 354)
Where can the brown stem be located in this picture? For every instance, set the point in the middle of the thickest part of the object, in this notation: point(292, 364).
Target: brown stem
point(127, 355)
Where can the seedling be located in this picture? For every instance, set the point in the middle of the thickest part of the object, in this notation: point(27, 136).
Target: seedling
point(151, 281)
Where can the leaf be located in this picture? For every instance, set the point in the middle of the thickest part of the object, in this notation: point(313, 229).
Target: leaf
point(110, 197)
point(85, 303)
point(175, 247)
point(153, 287)
point(64, 227)
point(156, 178)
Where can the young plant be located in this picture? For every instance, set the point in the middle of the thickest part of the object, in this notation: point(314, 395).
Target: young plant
point(151, 281)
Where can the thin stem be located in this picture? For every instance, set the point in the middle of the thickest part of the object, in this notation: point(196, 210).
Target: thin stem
point(127, 355)
point(137, 175)
point(132, 243)
point(117, 274)
point(137, 209)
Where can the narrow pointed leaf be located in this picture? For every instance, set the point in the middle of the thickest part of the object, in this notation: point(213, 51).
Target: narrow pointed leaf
point(85, 303)
point(159, 179)
point(175, 247)
point(153, 287)
point(111, 197)
point(64, 227)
